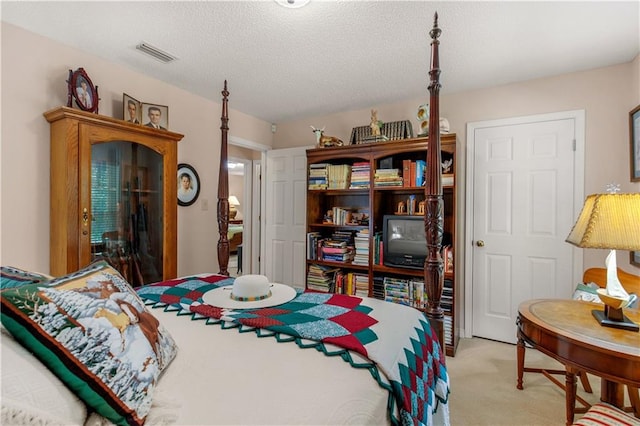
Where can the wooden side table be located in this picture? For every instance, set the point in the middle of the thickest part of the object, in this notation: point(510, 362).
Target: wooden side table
point(567, 331)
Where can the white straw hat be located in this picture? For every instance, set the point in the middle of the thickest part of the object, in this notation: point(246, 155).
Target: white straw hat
point(249, 292)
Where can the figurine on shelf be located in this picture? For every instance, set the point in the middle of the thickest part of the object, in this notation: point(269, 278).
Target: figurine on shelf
point(376, 124)
point(446, 165)
point(325, 141)
point(421, 207)
point(328, 217)
point(401, 208)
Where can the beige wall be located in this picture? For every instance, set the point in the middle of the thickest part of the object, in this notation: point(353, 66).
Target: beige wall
point(606, 94)
point(34, 71)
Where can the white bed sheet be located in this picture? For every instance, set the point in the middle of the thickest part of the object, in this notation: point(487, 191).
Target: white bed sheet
point(227, 377)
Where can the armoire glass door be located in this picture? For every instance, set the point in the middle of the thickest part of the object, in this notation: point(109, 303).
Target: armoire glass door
point(126, 209)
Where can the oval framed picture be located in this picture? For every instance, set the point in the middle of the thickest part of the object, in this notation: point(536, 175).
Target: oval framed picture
point(83, 91)
point(188, 185)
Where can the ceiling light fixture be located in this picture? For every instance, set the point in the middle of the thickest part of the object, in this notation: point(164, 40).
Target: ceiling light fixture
point(292, 4)
point(156, 53)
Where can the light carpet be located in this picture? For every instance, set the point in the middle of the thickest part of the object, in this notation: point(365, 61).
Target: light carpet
point(483, 377)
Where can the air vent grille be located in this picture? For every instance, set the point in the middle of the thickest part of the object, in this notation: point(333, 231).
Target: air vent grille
point(156, 53)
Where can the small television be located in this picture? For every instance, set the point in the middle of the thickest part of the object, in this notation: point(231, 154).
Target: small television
point(404, 243)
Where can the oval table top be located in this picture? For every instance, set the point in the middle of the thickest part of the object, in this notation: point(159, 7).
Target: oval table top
point(568, 330)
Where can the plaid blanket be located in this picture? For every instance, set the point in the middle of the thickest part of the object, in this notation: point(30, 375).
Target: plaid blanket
point(397, 339)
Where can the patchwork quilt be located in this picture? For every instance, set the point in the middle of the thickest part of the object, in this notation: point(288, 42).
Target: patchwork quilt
point(397, 339)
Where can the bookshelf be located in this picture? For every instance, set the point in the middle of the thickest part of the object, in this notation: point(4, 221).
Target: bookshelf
point(350, 190)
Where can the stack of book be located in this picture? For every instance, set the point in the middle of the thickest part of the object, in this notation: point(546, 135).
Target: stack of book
point(339, 176)
point(360, 175)
point(318, 176)
point(361, 284)
point(387, 177)
point(361, 242)
point(321, 278)
point(345, 236)
point(336, 251)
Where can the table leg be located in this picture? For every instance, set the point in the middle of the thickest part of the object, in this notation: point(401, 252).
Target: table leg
point(520, 353)
point(612, 392)
point(571, 385)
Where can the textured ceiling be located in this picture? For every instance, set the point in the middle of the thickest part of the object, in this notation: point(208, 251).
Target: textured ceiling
point(284, 64)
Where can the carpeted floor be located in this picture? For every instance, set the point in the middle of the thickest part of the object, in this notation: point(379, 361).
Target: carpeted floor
point(483, 387)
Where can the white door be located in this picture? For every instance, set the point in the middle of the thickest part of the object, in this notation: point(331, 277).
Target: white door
point(523, 207)
point(285, 216)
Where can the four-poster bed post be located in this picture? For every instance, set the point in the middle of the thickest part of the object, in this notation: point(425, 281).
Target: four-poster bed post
point(433, 220)
point(223, 188)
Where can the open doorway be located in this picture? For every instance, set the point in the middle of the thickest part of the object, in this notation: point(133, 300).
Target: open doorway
point(244, 165)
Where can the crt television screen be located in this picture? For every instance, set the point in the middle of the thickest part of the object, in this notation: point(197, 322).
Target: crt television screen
point(405, 236)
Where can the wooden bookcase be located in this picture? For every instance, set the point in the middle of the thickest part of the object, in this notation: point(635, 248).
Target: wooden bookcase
point(351, 204)
point(113, 195)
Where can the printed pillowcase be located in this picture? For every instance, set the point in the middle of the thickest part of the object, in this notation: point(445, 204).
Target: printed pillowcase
point(93, 331)
point(11, 277)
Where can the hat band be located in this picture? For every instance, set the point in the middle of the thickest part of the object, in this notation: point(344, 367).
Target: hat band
point(250, 299)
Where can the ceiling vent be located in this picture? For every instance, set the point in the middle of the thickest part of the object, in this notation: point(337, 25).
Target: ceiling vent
point(158, 54)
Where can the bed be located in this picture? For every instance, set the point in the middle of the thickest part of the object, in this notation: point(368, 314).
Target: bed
point(87, 348)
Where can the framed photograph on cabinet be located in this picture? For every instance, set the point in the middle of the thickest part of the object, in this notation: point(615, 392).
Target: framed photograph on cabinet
point(634, 135)
point(156, 116)
point(635, 258)
point(188, 185)
point(131, 109)
point(82, 90)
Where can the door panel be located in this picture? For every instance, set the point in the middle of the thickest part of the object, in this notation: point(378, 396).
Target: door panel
point(285, 196)
point(522, 212)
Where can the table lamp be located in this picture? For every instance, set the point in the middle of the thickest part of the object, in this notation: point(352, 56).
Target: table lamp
point(233, 202)
point(610, 221)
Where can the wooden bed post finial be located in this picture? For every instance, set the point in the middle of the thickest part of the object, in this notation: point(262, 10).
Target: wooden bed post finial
point(434, 222)
point(223, 188)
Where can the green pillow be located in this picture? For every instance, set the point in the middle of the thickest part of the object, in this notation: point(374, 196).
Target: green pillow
point(11, 277)
point(92, 330)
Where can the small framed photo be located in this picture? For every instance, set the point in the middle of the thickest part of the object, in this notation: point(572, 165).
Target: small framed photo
point(156, 116)
point(635, 258)
point(634, 137)
point(131, 109)
point(82, 90)
point(188, 185)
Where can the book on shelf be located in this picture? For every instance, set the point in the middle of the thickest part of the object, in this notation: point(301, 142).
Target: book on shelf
point(421, 167)
point(322, 278)
point(318, 176)
point(338, 176)
point(406, 172)
point(360, 175)
point(387, 177)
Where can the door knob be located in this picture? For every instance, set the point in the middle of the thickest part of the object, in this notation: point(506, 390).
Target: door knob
point(480, 243)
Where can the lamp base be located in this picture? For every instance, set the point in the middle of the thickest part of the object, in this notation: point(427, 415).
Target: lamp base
point(606, 321)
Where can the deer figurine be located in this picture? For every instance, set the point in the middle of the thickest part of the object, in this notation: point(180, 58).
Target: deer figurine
point(325, 141)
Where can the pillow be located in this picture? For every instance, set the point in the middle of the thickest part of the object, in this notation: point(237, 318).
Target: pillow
point(11, 277)
point(588, 292)
point(33, 395)
point(93, 331)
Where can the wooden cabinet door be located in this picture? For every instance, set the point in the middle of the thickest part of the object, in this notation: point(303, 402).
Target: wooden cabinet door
point(113, 196)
